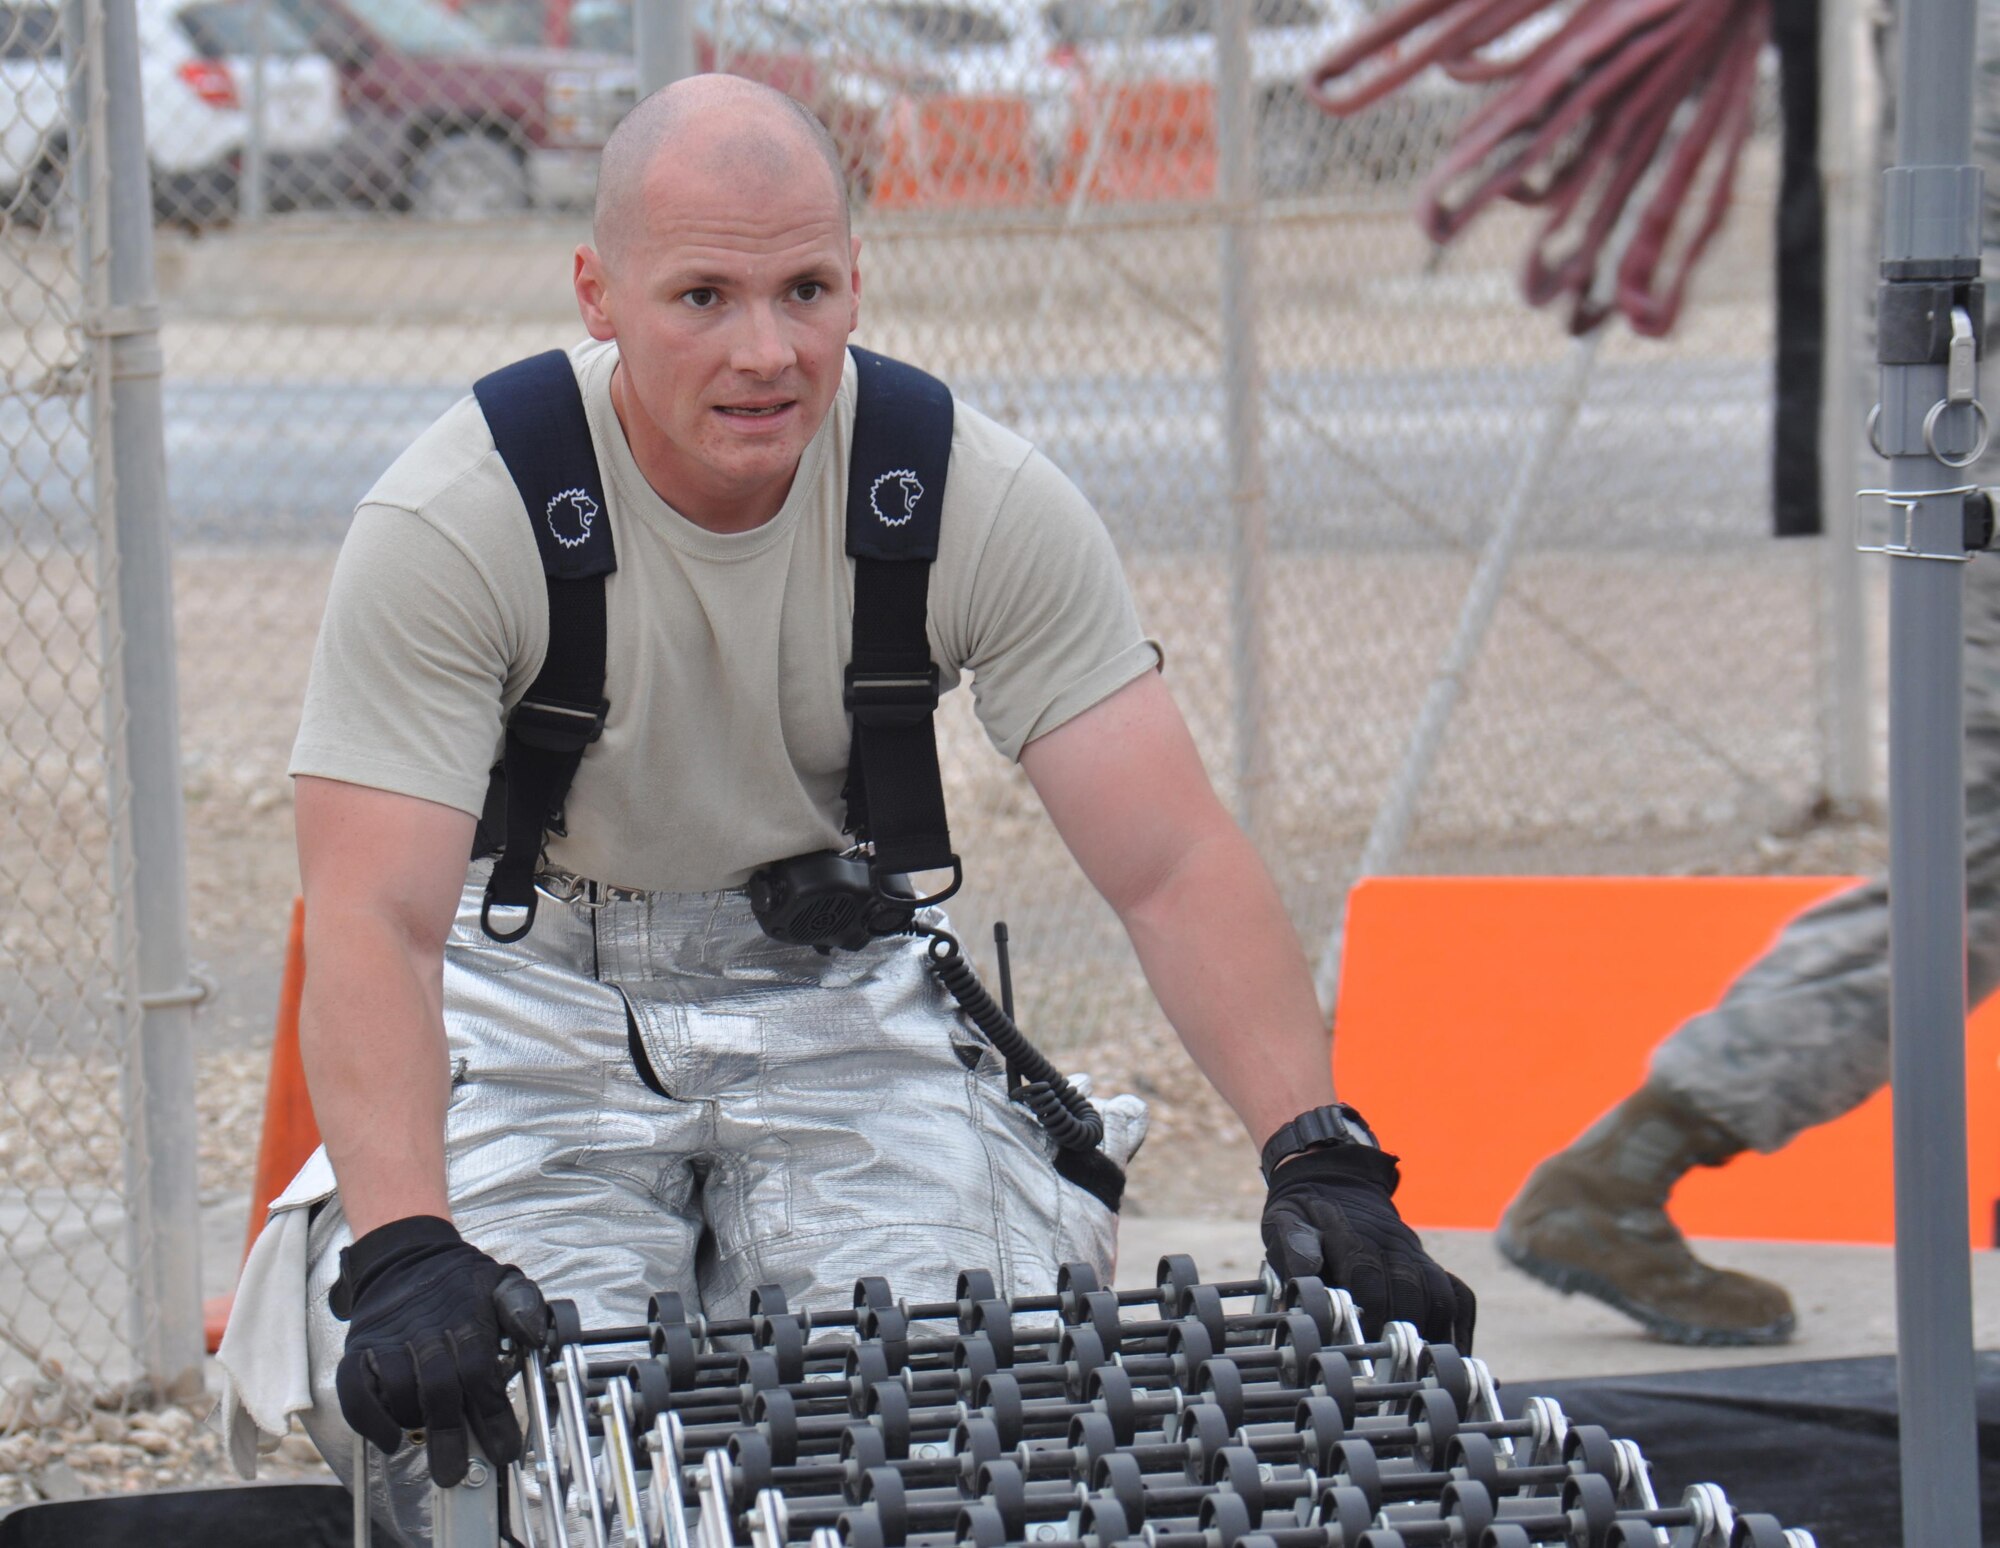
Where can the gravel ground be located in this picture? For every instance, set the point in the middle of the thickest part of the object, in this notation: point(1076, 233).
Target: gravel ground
point(57, 1445)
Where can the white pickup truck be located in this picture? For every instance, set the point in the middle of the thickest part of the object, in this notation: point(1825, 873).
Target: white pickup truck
point(196, 61)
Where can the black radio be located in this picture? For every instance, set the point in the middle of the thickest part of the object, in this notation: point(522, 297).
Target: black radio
point(826, 899)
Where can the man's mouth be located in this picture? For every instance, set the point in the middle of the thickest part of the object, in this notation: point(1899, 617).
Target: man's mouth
point(758, 411)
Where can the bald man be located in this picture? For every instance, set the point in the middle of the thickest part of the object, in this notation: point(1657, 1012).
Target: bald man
point(646, 1092)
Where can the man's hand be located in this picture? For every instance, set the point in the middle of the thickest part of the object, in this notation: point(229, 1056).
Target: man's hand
point(427, 1311)
point(1329, 1214)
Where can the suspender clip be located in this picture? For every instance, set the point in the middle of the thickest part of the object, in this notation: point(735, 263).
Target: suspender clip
point(891, 701)
point(553, 726)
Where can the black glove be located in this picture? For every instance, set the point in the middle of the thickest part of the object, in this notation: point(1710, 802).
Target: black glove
point(428, 1310)
point(1328, 1214)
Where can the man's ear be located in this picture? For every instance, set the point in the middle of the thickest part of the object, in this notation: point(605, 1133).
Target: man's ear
point(592, 284)
point(854, 285)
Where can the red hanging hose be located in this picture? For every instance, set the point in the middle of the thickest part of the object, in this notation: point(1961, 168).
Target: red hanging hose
point(1646, 100)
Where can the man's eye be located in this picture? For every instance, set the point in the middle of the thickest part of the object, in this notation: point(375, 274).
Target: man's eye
point(810, 290)
point(701, 298)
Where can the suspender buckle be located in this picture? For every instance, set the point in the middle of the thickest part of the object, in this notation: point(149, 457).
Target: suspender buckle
point(553, 726)
point(891, 701)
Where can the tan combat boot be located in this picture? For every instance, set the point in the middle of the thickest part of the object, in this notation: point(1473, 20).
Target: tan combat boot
point(1593, 1218)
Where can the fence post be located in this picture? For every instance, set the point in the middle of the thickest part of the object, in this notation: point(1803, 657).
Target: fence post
point(252, 193)
point(143, 724)
point(662, 43)
point(1243, 411)
point(1846, 770)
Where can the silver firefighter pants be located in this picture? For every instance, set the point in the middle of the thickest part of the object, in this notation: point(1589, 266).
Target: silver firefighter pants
point(1802, 1035)
point(650, 1094)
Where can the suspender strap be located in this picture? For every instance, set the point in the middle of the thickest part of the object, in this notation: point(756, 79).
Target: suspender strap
point(895, 496)
point(542, 433)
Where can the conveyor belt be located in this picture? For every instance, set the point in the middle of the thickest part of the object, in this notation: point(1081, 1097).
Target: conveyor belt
point(1242, 1414)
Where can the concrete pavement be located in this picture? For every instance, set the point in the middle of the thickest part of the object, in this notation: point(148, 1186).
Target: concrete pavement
point(1845, 1297)
point(1527, 1333)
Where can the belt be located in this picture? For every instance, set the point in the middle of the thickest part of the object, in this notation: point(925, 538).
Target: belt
point(567, 887)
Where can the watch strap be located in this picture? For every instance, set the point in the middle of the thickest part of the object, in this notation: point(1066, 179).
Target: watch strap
point(1333, 1124)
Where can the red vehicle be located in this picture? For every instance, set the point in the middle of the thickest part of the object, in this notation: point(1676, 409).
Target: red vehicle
point(445, 124)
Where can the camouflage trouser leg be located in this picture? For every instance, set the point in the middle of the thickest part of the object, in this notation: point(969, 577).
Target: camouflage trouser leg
point(1803, 1034)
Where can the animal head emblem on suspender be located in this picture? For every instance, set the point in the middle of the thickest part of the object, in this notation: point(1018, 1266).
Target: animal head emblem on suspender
point(570, 515)
point(900, 500)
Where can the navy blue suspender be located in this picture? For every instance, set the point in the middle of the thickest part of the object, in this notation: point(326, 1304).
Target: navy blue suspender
point(895, 496)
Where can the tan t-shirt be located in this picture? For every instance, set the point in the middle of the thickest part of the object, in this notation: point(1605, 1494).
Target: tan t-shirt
point(726, 744)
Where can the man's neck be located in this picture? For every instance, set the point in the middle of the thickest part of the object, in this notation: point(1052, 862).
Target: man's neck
point(711, 510)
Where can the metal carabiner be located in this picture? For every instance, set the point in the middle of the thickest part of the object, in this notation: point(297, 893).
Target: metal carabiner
point(581, 892)
point(1961, 390)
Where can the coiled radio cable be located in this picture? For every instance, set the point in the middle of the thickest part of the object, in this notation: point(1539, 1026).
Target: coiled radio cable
point(1057, 1105)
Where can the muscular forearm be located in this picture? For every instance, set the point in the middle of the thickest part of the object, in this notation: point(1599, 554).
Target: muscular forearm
point(1228, 970)
point(1128, 793)
point(372, 1036)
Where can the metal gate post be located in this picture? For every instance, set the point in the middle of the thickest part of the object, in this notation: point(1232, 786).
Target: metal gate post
point(1931, 426)
point(1243, 414)
point(143, 722)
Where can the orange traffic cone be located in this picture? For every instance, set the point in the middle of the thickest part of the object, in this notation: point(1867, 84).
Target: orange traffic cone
point(290, 1133)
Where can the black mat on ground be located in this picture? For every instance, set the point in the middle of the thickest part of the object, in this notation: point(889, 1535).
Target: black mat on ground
point(1813, 1444)
point(294, 1515)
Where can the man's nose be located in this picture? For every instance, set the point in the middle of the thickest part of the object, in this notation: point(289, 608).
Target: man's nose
point(762, 348)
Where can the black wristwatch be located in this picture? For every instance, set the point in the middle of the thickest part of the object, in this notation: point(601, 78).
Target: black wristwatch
point(1337, 1124)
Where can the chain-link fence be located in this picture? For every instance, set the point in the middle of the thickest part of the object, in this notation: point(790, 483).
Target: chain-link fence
point(70, 1076)
point(368, 203)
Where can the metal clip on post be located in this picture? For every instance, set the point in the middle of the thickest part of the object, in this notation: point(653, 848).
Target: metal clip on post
point(1906, 506)
point(1961, 391)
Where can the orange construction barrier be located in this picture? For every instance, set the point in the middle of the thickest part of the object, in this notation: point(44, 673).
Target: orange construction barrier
point(290, 1133)
point(1486, 1021)
point(1157, 143)
point(957, 152)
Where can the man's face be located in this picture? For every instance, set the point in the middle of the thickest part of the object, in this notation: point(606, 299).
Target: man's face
point(731, 297)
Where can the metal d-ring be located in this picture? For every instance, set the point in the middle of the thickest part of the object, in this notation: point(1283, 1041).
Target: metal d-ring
point(1875, 431)
point(1930, 433)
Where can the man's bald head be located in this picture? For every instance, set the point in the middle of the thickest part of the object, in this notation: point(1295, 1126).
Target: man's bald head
point(744, 129)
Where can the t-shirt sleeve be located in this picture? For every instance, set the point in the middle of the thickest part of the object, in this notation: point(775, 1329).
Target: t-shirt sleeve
point(1053, 628)
point(411, 673)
